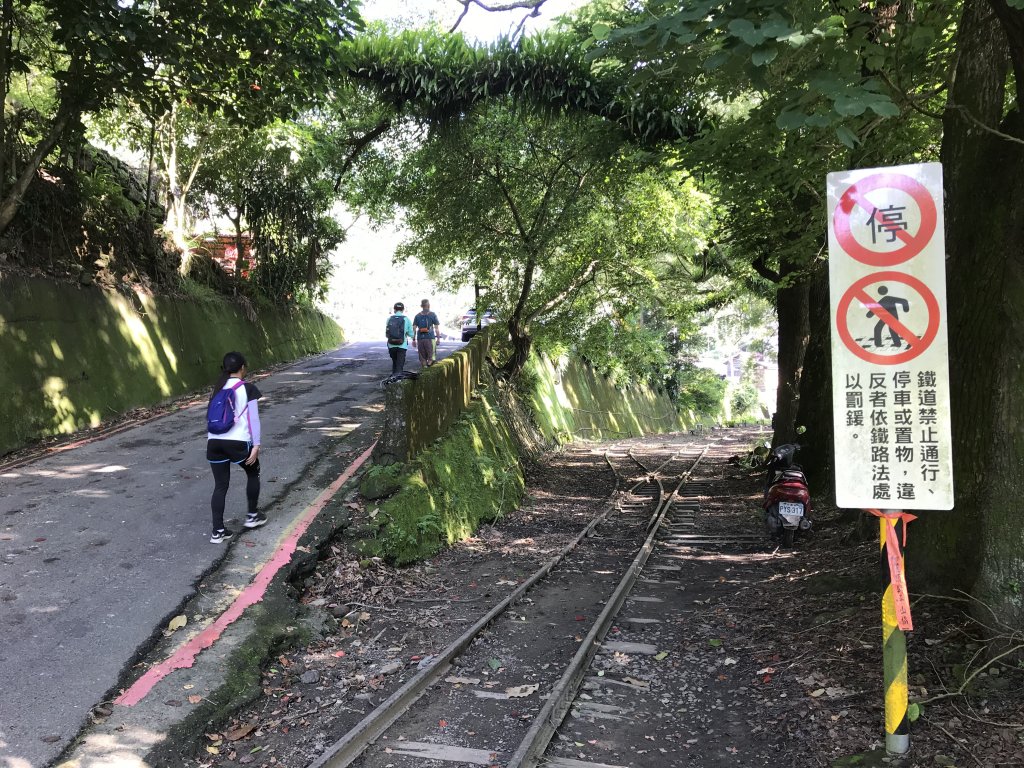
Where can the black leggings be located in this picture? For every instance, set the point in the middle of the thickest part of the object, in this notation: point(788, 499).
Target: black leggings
point(221, 480)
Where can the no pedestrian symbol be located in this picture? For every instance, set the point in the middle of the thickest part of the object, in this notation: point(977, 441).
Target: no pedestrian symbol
point(890, 234)
point(888, 318)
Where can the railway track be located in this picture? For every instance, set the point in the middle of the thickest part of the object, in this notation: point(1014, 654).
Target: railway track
point(544, 636)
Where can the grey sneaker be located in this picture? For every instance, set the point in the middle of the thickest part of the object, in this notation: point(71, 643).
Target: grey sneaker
point(255, 520)
point(221, 536)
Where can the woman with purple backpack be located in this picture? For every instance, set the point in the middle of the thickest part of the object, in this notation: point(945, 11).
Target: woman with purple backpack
point(233, 437)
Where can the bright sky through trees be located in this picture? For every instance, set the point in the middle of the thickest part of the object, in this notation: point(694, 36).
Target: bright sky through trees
point(478, 24)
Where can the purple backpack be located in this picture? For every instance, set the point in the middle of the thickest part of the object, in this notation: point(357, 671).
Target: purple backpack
point(220, 413)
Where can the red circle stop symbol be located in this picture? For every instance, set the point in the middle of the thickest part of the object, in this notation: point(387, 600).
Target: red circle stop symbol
point(890, 322)
point(855, 205)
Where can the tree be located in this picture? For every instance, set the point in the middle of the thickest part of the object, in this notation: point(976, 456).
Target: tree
point(281, 183)
point(976, 548)
point(230, 67)
point(82, 55)
point(538, 210)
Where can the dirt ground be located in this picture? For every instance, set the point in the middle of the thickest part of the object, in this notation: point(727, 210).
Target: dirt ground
point(768, 657)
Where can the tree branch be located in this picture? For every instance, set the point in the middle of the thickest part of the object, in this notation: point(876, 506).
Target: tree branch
point(578, 282)
point(360, 144)
point(533, 6)
point(524, 232)
point(760, 265)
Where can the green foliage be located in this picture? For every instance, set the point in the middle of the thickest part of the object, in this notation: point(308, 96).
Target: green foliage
point(699, 390)
point(830, 63)
point(744, 399)
point(440, 76)
point(563, 222)
point(105, 206)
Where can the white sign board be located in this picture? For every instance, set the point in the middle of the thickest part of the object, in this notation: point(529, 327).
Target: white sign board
point(890, 365)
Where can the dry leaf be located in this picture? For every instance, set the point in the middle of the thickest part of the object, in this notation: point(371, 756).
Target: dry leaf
point(194, 699)
point(240, 732)
point(522, 691)
point(213, 750)
point(177, 623)
point(463, 680)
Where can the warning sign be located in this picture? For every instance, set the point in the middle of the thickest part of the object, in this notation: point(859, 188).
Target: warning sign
point(875, 321)
point(885, 219)
point(889, 352)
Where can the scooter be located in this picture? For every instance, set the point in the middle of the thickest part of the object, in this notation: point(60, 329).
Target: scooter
point(787, 498)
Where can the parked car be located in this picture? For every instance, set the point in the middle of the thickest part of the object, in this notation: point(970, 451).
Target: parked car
point(469, 324)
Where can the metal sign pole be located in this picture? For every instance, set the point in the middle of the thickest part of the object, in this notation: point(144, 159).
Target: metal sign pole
point(894, 652)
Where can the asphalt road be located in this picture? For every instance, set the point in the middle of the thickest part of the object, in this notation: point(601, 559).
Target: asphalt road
point(101, 544)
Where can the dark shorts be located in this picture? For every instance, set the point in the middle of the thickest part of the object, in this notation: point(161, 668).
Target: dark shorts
point(220, 451)
point(425, 347)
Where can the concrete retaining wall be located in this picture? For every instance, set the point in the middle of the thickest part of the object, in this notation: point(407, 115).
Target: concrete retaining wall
point(418, 412)
point(72, 357)
point(449, 458)
point(572, 401)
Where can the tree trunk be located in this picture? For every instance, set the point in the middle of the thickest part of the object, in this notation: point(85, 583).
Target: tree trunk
point(12, 200)
point(815, 409)
point(791, 305)
point(980, 545)
point(312, 257)
point(522, 343)
point(240, 258)
point(517, 329)
point(6, 48)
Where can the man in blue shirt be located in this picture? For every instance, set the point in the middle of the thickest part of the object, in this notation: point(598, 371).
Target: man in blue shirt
point(427, 328)
point(398, 329)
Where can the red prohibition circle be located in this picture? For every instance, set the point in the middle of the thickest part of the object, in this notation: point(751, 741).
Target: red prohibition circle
point(856, 197)
point(857, 289)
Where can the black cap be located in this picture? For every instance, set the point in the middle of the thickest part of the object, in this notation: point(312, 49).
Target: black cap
point(399, 306)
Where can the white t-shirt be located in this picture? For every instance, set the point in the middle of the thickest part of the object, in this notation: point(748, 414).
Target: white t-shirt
point(242, 429)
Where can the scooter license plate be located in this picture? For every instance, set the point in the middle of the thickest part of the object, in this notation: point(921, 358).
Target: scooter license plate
point(790, 509)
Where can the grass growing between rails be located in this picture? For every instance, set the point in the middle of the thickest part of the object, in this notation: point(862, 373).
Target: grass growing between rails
point(470, 476)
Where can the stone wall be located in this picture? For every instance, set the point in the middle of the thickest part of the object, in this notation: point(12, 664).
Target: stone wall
point(419, 411)
point(73, 356)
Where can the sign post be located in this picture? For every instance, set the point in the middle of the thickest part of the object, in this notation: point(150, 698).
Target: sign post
point(890, 377)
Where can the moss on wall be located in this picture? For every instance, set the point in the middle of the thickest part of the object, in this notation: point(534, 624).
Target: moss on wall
point(73, 356)
point(573, 401)
point(419, 411)
point(471, 475)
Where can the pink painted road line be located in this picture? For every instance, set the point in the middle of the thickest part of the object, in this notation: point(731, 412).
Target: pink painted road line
point(185, 656)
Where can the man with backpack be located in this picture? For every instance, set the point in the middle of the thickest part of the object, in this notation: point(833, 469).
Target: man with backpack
point(398, 329)
point(427, 328)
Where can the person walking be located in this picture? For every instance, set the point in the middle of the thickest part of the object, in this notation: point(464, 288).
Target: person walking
point(233, 437)
point(427, 328)
point(398, 331)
